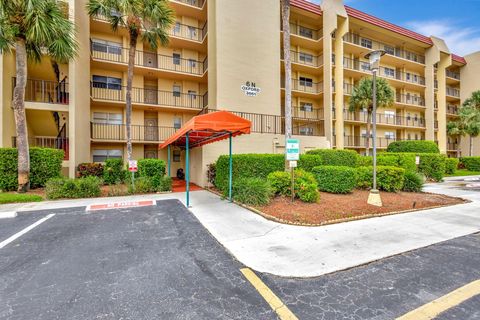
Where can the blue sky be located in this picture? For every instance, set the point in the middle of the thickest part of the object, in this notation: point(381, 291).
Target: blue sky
point(457, 22)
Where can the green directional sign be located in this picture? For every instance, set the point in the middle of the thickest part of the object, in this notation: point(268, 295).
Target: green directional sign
point(292, 150)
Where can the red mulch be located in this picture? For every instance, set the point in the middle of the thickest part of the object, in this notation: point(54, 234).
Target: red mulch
point(336, 206)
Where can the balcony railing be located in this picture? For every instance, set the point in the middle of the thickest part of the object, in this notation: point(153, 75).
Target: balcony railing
point(453, 92)
point(451, 146)
point(104, 52)
point(306, 32)
point(305, 113)
point(305, 86)
point(389, 49)
point(194, 3)
point(454, 75)
point(452, 109)
point(361, 142)
point(410, 99)
point(304, 58)
point(185, 31)
point(139, 133)
point(387, 73)
point(99, 91)
point(385, 119)
point(45, 91)
point(47, 142)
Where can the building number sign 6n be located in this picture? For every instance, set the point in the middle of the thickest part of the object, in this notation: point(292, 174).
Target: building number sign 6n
point(250, 89)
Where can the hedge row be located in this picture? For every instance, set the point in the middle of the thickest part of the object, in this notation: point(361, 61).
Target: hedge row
point(58, 188)
point(330, 157)
point(335, 179)
point(471, 163)
point(451, 165)
point(45, 164)
point(415, 146)
point(390, 179)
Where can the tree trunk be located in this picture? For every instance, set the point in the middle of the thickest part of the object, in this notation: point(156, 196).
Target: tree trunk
point(288, 71)
point(131, 64)
point(367, 144)
point(471, 145)
point(459, 142)
point(20, 118)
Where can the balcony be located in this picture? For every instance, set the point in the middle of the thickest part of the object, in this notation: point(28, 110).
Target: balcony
point(452, 109)
point(304, 59)
point(306, 113)
point(150, 60)
point(47, 142)
point(453, 75)
point(193, 3)
point(305, 86)
point(361, 142)
point(383, 119)
point(452, 146)
point(305, 32)
point(139, 133)
point(44, 91)
point(387, 73)
point(98, 91)
point(390, 50)
point(453, 92)
point(412, 100)
point(188, 32)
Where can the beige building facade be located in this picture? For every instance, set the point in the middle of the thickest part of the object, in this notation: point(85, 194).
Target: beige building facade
point(220, 48)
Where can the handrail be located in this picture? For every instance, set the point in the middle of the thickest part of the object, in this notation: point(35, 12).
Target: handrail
point(118, 132)
point(45, 91)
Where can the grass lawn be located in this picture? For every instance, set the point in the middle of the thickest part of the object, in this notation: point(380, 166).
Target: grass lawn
point(16, 197)
point(463, 172)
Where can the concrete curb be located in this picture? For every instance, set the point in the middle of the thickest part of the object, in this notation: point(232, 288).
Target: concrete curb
point(8, 214)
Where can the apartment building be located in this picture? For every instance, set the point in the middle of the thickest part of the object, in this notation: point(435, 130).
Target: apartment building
point(219, 50)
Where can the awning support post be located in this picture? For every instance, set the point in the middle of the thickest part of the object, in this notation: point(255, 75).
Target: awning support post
point(230, 164)
point(168, 161)
point(187, 165)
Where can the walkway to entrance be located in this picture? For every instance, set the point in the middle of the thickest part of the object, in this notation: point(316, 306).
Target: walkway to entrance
point(181, 186)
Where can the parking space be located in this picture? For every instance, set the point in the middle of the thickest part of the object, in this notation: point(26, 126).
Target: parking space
point(153, 262)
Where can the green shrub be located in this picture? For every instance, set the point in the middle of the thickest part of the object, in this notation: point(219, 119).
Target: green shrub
point(151, 167)
point(309, 161)
point(451, 165)
point(45, 164)
point(331, 157)
point(165, 184)
point(113, 171)
point(413, 182)
point(281, 182)
point(432, 165)
point(364, 161)
point(387, 161)
point(247, 166)
point(142, 185)
point(415, 146)
point(404, 160)
point(390, 179)
point(90, 169)
point(306, 187)
point(88, 187)
point(471, 163)
point(335, 179)
point(252, 191)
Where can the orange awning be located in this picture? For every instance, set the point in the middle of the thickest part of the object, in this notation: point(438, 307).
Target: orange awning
point(208, 128)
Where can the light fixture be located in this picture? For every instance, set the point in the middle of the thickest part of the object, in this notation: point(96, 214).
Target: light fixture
point(374, 58)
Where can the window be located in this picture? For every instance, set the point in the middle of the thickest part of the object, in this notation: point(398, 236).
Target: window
point(390, 135)
point(415, 78)
point(192, 63)
point(177, 90)
point(106, 46)
point(306, 32)
point(192, 31)
point(306, 106)
point(177, 122)
point(363, 133)
point(306, 82)
point(178, 27)
point(192, 94)
point(389, 114)
point(365, 66)
point(176, 156)
point(367, 43)
point(100, 155)
point(389, 72)
point(107, 118)
point(306, 58)
point(107, 82)
point(416, 136)
point(409, 136)
point(306, 131)
point(176, 58)
point(409, 76)
point(389, 49)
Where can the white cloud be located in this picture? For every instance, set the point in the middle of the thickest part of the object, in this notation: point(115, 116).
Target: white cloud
point(460, 40)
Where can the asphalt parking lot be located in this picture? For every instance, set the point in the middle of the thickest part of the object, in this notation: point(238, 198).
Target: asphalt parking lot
point(159, 262)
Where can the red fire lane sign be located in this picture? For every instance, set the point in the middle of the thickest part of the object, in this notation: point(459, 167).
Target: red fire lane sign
point(120, 205)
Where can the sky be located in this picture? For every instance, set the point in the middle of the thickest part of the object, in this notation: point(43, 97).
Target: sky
point(457, 22)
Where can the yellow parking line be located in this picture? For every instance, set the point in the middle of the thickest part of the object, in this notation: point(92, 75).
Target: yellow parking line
point(275, 303)
point(452, 299)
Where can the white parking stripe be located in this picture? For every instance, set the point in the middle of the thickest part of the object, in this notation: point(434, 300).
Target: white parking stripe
point(21, 233)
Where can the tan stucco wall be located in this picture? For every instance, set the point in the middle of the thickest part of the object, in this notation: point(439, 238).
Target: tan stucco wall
point(470, 82)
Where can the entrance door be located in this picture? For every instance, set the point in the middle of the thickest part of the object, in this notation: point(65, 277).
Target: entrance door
point(151, 95)
point(150, 154)
point(151, 129)
point(150, 59)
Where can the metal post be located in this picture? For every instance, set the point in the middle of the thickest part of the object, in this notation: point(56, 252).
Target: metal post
point(374, 135)
point(168, 160)
point(187, 168)
point(230, 172)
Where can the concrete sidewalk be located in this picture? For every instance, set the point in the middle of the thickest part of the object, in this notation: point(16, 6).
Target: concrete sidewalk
point(295, 251)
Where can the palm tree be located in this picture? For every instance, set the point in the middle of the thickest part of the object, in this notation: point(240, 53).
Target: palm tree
point(149, 20)
point(288, 68)
point(473, 101)
point(456, 129)
point(33, 28)
point(361, 99)
point(469, 118)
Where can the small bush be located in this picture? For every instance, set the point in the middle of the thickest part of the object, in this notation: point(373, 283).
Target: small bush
point(151, 167)
point(309, 161)
point(335, 179)
point(113, 172)
point(247, 166)
point(89, 169)
point(451, 165)
point(251, 191)
point(88, 187)
point(142, 185)
point(165, 184)
point(390, 179)
point(280, 181)
point(332, 157)
point(432, 165)
point(413, 182)
point(364, 161)
point(403, 160)
point(306, 187)
point(415, 146)
point(471, 163)
point(387, 161)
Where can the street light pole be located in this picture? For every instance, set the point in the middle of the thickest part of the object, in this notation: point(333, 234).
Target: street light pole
point(374, 58)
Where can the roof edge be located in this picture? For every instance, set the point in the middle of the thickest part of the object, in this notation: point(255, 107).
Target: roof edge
point(307, 5)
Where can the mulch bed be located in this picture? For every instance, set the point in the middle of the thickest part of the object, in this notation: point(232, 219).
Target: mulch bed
point(336, 207)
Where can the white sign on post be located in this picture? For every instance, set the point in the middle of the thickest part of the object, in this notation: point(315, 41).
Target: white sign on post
point(292, 150)
point(132, 166)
